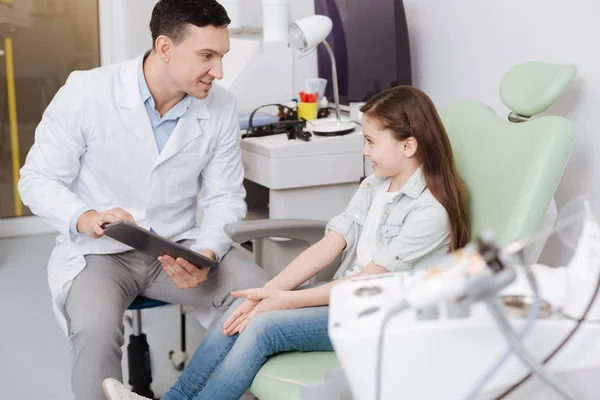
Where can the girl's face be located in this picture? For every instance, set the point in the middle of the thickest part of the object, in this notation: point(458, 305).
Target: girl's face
point(389, 157)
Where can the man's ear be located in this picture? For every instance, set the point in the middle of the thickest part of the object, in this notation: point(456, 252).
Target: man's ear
point(163, 46)
point(410, 147)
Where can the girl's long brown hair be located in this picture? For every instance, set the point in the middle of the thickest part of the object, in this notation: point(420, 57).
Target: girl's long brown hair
point(406, 112)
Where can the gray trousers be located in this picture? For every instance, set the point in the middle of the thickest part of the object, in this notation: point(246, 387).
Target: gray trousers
point(108, 284)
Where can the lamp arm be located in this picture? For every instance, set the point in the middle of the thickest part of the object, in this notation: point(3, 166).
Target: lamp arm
point(336, 93)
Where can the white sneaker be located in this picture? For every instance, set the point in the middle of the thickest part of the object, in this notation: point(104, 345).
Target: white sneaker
point(115, 390)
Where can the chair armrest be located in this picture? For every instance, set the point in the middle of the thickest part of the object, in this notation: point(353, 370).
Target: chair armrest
point(307, 230)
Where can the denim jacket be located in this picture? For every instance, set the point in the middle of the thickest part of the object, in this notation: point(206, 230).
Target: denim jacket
point(412, 231)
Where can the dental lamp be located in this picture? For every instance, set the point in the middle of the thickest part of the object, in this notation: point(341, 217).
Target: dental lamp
point(305, 34)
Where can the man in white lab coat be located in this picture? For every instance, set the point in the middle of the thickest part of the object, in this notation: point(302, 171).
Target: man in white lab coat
point(137, 141)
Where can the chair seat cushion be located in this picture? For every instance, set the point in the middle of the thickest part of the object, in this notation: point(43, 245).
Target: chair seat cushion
point(281, 377)
point(141, 303)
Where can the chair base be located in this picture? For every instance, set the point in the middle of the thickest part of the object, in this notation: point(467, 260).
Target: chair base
point(140, 373)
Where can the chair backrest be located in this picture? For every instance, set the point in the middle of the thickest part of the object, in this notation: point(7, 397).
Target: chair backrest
point(512, 169)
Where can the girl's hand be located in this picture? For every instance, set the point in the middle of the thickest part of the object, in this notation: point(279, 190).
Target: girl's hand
point(269, 300)
point(232, 325)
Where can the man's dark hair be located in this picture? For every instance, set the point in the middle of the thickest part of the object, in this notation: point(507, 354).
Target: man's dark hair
point(171, 17)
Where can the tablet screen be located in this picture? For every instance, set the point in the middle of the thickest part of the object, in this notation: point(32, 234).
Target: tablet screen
point(152, 244)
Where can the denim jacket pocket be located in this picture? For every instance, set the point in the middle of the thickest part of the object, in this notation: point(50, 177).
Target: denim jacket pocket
point(389, 231)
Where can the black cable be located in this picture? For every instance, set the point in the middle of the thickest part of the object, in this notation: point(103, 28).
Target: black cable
point(364, 168)
point(364, 159)
point(182, 312)
point(558, 348)
point(282, 126)
point(263, 106)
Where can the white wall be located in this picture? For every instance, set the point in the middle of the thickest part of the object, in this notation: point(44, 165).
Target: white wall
point(462, 48)
point(252, 14)
point(124, 29)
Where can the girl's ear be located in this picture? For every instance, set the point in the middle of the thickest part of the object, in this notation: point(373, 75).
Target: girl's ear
point(410, 147)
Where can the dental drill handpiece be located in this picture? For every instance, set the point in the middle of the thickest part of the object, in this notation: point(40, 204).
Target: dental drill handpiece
point(471, 274)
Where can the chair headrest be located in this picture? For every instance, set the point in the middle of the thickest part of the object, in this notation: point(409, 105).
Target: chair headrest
point(531, 87)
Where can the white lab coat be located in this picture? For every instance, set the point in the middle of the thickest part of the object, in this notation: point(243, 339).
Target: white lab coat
point(95, 147)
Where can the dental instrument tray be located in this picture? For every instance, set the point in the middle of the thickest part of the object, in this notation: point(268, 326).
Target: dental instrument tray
point(152, 244)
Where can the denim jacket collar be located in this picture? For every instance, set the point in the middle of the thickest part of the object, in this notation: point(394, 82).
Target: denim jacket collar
point(413, 187)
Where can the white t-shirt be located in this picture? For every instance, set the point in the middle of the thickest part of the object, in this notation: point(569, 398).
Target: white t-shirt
point(367, 243)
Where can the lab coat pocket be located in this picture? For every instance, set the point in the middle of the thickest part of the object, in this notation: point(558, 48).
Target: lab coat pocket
point(186, 169)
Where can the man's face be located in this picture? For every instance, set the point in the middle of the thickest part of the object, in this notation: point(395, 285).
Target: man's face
point(197, 60)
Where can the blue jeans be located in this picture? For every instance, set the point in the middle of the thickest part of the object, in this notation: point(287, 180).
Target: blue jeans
point(223, 367)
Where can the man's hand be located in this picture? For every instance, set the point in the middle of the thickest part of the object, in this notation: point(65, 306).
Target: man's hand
point(184, 274)
point(232, 325)
point(90, 222)
point(268, 300)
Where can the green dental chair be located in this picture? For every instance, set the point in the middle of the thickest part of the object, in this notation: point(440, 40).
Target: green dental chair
point(511, 169)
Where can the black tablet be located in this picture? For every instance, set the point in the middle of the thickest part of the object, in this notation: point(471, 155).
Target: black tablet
point(153, 244)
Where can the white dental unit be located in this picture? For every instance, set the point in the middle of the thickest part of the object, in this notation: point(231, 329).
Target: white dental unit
point(434, 349)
